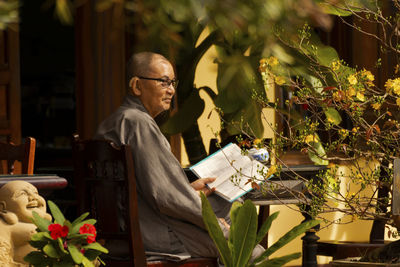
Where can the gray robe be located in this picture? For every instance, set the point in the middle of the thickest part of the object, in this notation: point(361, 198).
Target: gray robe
point(168, 206)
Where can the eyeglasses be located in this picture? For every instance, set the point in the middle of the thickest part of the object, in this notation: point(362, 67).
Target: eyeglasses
point(165, 82)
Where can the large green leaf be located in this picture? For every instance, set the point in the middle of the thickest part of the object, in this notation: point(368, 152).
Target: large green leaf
point(87, 263)
point(281, 261)
point(333, 116)
point(266, 226)
point(36, 258)
point(233, 216)
point(56, 212)
point(186, 116)
point(248, 120)
point(289, 236)
point(215, 231)
point(51, 251)
point(76, 255)
point(41, 236)
point(96, 246)
point(319, 154)
point(245, 232)
point(80, 218)
point(41, 223)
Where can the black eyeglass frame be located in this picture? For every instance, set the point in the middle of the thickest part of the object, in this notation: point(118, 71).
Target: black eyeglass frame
point(164, 82)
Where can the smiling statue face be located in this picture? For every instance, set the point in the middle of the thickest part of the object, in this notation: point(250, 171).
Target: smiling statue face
point(22, 198)
point(155, 97)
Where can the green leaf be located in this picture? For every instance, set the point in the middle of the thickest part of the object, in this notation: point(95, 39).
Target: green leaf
point(215, 231)
point(36, 258)
point(63, 264)
point(289, 236)
point(51, 251)
point(186, 116)
point(78, 237)
point(76, 255)
point(266, 226)
point(41, 223)
point(86, 262)
point(80, 218)
point(38, 244)
point(64, 11)
point(245, 232)
point(281, 261)
point(92, 254)
point(320, 153)
point(61, 246)
point(333, 116)
point(55, 211)
point(233, 215)
point(96, 246)
point(41, 236)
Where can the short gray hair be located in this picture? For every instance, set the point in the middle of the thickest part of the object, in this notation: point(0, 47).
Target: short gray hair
point(140, 64)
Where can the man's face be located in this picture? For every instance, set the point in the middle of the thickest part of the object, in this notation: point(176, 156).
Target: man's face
point(22, 198)
point(155, 97)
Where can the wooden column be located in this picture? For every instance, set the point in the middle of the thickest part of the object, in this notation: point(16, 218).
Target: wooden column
point(10, 94)
point(100, 64)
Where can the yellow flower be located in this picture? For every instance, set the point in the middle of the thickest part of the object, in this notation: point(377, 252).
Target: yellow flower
point(355, 129)
point(257, 141)
point(272, 61)
point(376, 106)
point(393, 85)
point(335, 65)
point(310, 138)
point(343, 132)
point(396, 86)
point(388, 85)
point(331, 165)
point(271, 171)
point(352, 79)
point(367, 74)
point(398, 102)
point(351, 92)
point(360, 96)
point(279, 80)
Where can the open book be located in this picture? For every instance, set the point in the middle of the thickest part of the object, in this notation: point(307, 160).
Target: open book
point(232, 170)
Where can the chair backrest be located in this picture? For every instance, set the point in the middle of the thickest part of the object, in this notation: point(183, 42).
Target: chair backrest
point(10, 153)
point(106, 187)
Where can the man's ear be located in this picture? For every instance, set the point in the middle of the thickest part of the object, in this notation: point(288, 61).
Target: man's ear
point(8, 217)
point(2, 205)
point(135, 87)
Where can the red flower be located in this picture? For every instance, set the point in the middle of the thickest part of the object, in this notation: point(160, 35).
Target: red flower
point(83, 251)
point(57, 230)
point(89, 229)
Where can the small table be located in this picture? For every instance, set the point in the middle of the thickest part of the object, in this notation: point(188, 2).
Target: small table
point(40, 181)
point(287, 178)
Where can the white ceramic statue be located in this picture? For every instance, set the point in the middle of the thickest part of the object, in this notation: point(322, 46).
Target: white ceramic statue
point(17, 201)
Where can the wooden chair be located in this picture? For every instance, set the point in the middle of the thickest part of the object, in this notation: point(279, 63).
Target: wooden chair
point(10, 153)
point(106, 187)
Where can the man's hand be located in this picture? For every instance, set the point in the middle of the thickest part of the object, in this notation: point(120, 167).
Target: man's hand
point(201, 184)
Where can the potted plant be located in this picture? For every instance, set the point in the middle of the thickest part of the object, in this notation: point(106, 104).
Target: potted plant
point(62, 243)
point(339, 114)
point(243, 236)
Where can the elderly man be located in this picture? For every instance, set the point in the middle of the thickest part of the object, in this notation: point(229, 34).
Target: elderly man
point(169, 206)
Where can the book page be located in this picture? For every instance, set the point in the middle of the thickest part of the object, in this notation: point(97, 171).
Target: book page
point(232, 170)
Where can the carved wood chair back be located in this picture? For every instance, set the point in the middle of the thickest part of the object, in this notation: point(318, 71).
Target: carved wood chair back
point(10, 153)
point(106, 187)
